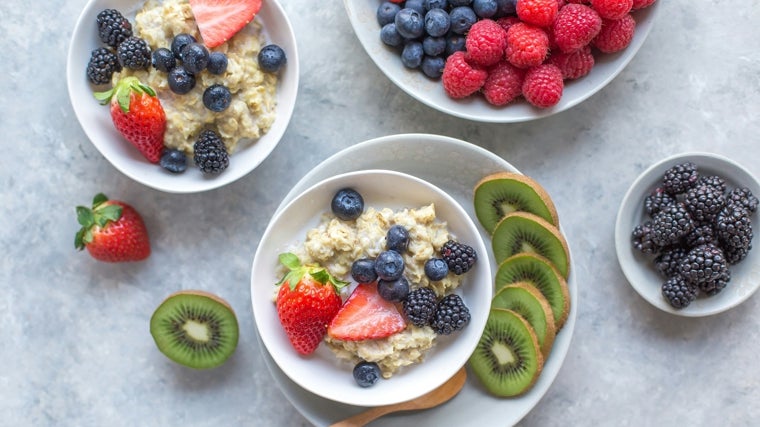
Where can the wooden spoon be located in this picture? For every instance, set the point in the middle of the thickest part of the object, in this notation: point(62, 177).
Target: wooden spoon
point(431, 399)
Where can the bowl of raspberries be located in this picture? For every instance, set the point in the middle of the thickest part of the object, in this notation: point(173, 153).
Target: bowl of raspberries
point(501, 61)
point(684, 234)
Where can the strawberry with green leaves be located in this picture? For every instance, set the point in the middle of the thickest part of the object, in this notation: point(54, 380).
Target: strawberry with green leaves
point(306, 302)
point(112, 231)
point(137, 114)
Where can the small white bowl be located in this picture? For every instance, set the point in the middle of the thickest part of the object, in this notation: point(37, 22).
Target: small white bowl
point(639, 267)
point(321, 372)
point(362, 15)
point(96, 121)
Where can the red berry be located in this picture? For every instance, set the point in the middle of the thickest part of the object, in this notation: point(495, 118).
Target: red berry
point(640, 4)
point(507, 21)
point(219, 20)
point(527, 46)
point(543, 85)
point(540, 13)
point(574, 65)
point(366, 316)
point(485, 43)
point(112, 231)
point(460, 79)
point(612, 9)
point(504, 84)
point(575, 27)
point(615, 35)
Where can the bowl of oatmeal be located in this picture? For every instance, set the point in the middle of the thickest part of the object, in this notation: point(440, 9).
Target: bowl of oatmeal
point(412, 361)
point(259, 112)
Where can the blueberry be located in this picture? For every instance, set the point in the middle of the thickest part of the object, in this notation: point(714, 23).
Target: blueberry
point(454, 43)
point(418, 5)
point(386, 13)
point(437, 22)
point(217, 97)
point(506, 7)
point(455, 3)
point(435, 4)
point(462, 18)
point(163, 59)
point(412, 54)
point(363, 270)
point(194, 57)
point(217, 63)
point(179, 42)
point(432, 66)
point(347, 204)
point(397, 239)
point(272, 58)
point(433, 46)
point(366, 373)
point(175, 161)
point(180, 80)
point(393, 290)
point(409, 23)
point(484, 8)
point(436, 269)
point(390, 36)
point(389, 265)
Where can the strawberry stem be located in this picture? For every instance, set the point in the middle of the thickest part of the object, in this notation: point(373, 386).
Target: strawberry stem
point(99, 215)
point(296, 271)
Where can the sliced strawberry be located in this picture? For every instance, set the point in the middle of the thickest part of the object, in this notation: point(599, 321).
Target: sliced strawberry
point(365, 316)
point(219, 20)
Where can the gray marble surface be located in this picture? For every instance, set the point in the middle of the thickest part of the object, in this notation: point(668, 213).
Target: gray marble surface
point(76, 349)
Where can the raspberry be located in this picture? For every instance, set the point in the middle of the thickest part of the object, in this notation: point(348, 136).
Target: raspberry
point(575, 27)
point(543, 85)
point(574, 64)
point(640, 4)
point(504, 84)
point(527, 46)
point(540, 13)
point(615, 35)
point(612, 9)
point(461, 79)
point(485, 43)
point(507, 21)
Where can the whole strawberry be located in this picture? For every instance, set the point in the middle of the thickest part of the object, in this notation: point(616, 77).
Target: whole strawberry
point(306, 303)
point(112, 231)
point(137, 114)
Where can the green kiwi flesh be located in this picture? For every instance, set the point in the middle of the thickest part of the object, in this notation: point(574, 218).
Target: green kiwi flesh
point(195, 329)
point(540, 273)
point(502, 193)
point(524, 232)
point(507, 359)
point(528, 302)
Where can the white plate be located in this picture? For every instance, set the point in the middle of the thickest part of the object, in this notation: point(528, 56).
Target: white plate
point(639, 268)
point(96, 121)
point(455, 166)
point(362, 15)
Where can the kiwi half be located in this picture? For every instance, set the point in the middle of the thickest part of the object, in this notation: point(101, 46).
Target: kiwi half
point(524, 232)
point(539, 272)
point(528, 302)
point(195, 329)
point(501, 193)
point(507, 359)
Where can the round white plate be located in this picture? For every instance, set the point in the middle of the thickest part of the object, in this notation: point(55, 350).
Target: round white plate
point(454, 166)
point(639, 268)
point(362, 15)
point(96, 122)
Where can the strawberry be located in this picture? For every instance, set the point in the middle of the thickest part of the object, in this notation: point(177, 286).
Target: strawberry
point(219, 20)
point(306, 302)
point(366, 316)
point(112, 231)
point(138, 115)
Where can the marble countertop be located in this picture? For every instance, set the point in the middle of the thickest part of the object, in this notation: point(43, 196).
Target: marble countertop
point(76, 349)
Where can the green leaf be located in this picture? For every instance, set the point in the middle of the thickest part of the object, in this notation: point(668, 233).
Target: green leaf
point(87, 237)
point(321, 276)
point(79, 239)
point(122, 97)
point(290, 260)
point(85, 217)
point(98, 199)
point(104, 97)
point(111, 212)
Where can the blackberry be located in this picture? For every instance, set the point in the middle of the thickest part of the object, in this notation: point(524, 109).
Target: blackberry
point(419, 306)
point(450, 315)
point(680, 178)
point(642, 238)
point(734, 255)
point(715, 286)
point(713, 181)
point(704, 202)
point(704, 263)
point(702, 233)
point(210, 153)
point(459, 257)
point(670, 224)
point(113, 27)
point(679, 292)
point(669, 259)
point(733, 228)
point(134, 53)
point(103, 63)
point(744, 197)
point(656, 200)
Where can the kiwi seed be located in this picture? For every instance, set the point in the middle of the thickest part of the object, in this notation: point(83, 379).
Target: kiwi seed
point(195, 329)
point(528, 302)
point(525, 232)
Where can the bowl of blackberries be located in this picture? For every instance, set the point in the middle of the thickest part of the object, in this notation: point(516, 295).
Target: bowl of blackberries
point(684, 234)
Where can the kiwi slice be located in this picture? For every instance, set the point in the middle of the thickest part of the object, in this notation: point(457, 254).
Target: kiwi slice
point(195, 329)
point(528, 302)
point(507, 359)
point(501, 193)
point(524, 232)
point(539, 272)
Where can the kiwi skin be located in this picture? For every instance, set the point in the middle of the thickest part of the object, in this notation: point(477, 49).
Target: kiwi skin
point(163, 328)
point(535, 310)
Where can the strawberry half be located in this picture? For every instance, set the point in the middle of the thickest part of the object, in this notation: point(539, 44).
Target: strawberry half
point(306, 303)
point(112, 231)
point(366, 316)
point(219, 20)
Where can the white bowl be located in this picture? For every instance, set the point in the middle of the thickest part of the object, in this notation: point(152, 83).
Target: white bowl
point(96, 121)
point(430, 92)
point(321, 372)
point(639, 268)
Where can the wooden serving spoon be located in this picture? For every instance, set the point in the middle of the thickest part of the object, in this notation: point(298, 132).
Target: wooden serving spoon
point(428, 400)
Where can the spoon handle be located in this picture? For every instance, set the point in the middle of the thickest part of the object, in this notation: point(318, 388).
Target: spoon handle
point(364, 418)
